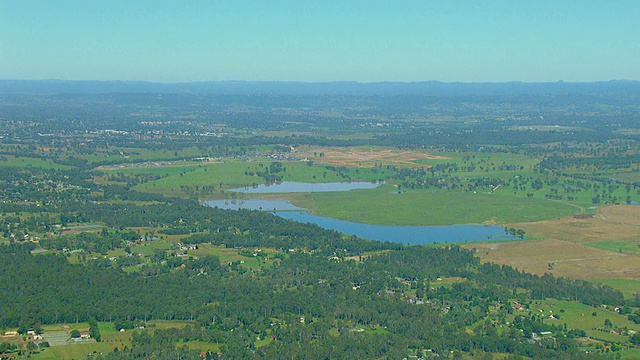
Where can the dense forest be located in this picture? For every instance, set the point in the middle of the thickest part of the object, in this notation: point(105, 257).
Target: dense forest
point(328, 294)
point(83, 241)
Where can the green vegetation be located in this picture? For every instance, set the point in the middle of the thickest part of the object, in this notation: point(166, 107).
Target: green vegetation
point(104, 239)
point(629, 287)
point(440, 207)
point(19, 161)
point(617, 246)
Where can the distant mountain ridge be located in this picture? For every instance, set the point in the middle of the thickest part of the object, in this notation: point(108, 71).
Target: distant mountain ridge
point(424, 88)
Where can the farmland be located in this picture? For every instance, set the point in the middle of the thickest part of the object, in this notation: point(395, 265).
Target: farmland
point(108, 226)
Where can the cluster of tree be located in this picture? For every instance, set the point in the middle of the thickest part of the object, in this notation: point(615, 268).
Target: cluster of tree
point(597, 163)
point(147, 346)
point(100, 242)
point(299, 301)
point(312, 302)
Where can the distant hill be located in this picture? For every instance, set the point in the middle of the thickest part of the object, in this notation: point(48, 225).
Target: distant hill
point(426, 88)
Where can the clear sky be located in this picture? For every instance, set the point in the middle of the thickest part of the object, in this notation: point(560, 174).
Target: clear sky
point(320, 40)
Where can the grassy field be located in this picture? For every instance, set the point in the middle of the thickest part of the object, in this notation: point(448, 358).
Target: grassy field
point(140, 154)
point(227, 175)
point(239, 174)
point(623, 247)
point(111, 338)
point(75, 351)
point(629, 287)
point(200, 346)
point(30, 162)
point(264, 257)
point(504, 204)
point(568, 259)
point(602, 246)
point(580, 316)
point(425, 207)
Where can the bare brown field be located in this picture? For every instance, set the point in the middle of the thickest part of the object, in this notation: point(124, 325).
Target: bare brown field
point(624, 214)
point(569, 259)
point(563, 244)
point(352, 156)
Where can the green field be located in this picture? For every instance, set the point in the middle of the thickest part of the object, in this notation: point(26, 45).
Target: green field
point(30, 162)
point(580, 316)
point(426, 207)
point(630, 248)
point(629, 287)
point(238, 173)
point(111, 338)
point(509, 203)
point(76, 351)
point(121, 154)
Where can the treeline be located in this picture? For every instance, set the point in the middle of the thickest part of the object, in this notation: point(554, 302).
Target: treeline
point(305, 304)
point(473, 138)
point(232, 228)
point(606, 162)
point(90, 242)
point(70, 198)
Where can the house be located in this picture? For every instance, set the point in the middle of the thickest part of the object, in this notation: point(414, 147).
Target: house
point(619, 331)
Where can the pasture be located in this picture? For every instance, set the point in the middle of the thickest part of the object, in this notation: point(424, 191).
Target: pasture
point(384, 206)
point(111, 338)
point(590, 247)
point(20, 161)
point(580, 316)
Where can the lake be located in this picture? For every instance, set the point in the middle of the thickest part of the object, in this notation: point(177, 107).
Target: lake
point(302, 187)
point(414, 235)
point(253, 204)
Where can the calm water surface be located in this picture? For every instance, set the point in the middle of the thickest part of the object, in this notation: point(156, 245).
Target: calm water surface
point(415, 235)
point(254, 204)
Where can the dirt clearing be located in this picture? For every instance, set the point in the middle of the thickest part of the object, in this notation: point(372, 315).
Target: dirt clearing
point(354, 156)
point(575, 247)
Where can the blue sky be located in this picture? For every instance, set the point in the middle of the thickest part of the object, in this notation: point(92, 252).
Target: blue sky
point(322, 40)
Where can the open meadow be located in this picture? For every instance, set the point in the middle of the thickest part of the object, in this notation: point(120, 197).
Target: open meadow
point(385, 205)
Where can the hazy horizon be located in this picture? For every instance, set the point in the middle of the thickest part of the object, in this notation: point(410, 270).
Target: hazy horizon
point(319, 82)
point(316, 42)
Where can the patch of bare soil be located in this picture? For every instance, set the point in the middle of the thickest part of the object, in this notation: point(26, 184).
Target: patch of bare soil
point(563, 250)
point(363, 157)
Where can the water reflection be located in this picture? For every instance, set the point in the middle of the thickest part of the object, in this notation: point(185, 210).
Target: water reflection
point(415, 235)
